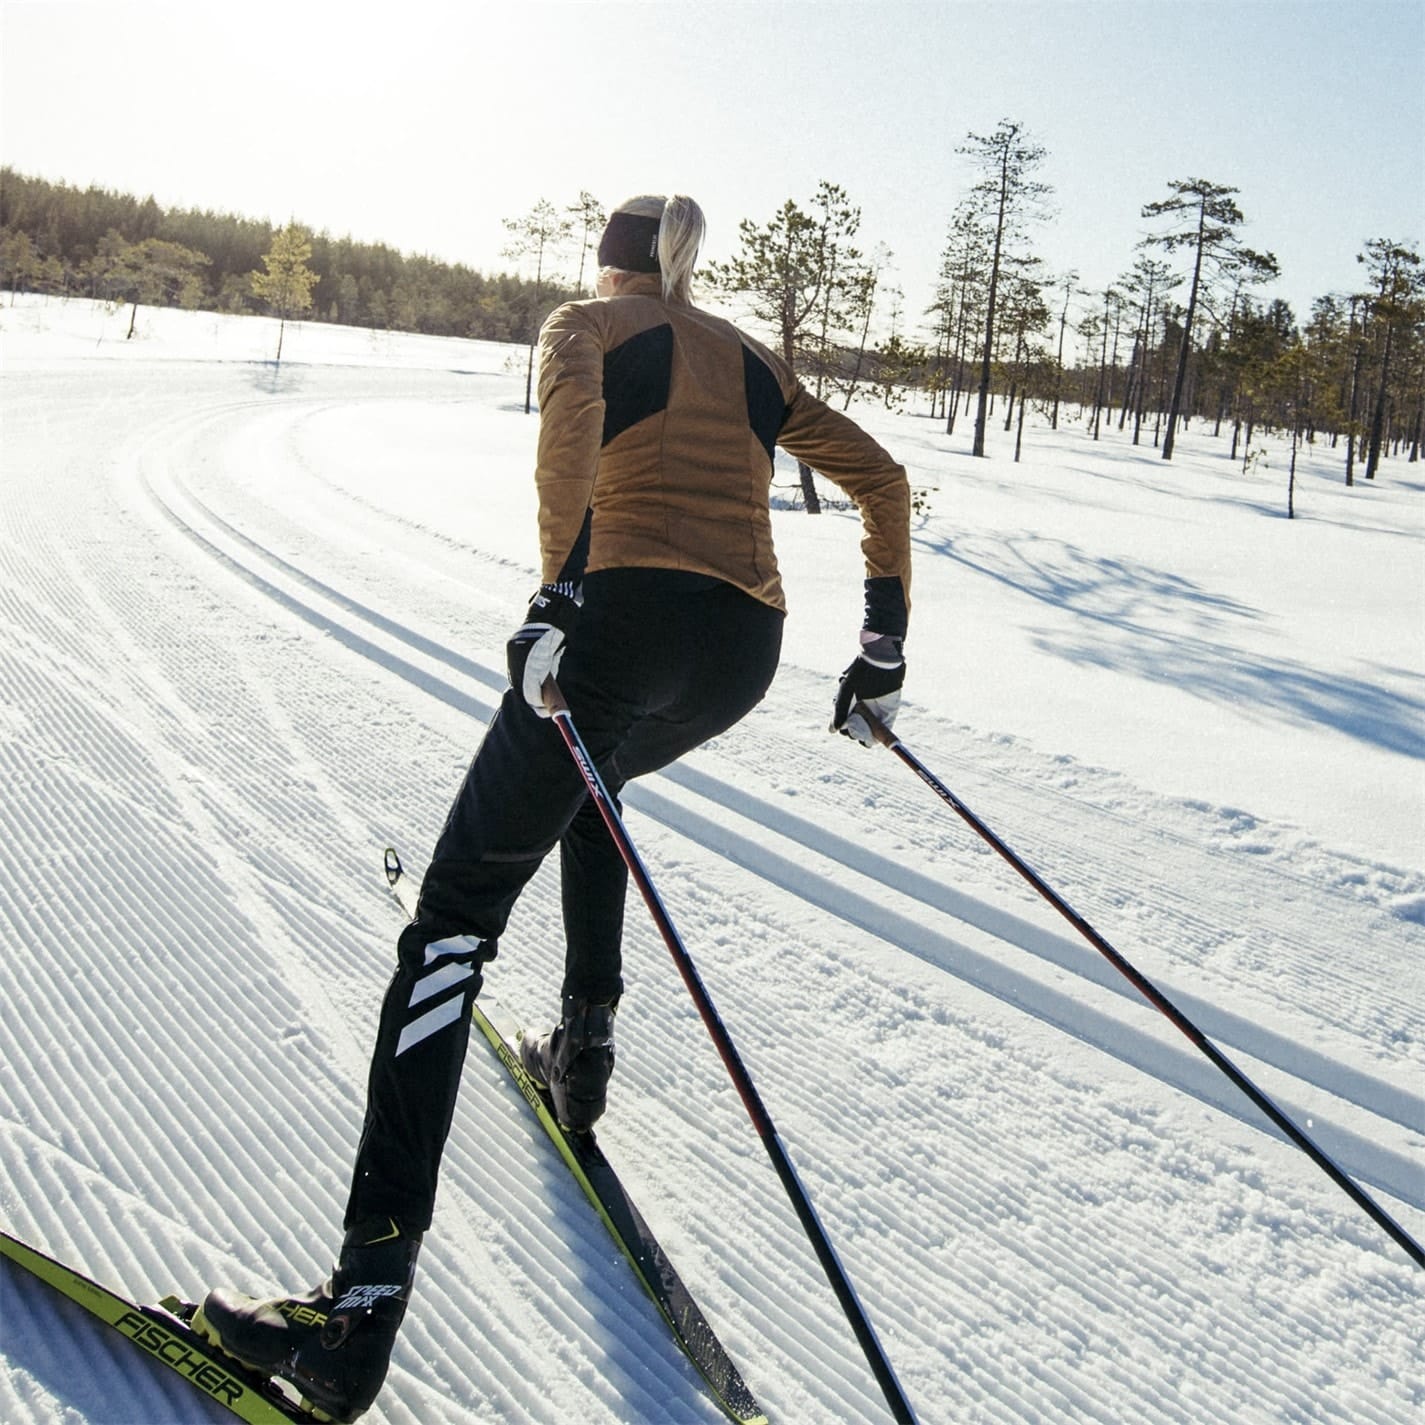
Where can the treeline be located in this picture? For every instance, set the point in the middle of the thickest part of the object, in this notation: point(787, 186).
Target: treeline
point(1182, 334)
point(91, 242)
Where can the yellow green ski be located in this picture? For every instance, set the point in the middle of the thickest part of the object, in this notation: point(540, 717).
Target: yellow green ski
point(594, 1174)
point(161, 1333)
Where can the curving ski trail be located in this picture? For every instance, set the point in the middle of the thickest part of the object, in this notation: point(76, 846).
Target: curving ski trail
point(218, 702)
point(784, 859)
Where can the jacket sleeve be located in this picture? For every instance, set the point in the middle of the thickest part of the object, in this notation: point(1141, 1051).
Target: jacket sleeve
point(835, 446)
point(571, 429)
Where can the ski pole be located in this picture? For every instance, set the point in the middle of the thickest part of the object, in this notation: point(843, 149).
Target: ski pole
point(1151, 993)
point(727, 1050)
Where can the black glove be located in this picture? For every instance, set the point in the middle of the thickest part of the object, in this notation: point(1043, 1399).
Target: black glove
point(874, 679)
point(533, 654)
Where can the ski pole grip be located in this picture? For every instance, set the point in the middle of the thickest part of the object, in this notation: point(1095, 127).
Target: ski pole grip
point(553, 698)
point(879, 730)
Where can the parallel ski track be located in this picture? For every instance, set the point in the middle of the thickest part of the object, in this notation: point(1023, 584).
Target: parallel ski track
point(784, 862)
point(195, 936)
point(989, 1217)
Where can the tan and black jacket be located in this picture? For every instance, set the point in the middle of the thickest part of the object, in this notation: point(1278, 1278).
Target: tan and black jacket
point(658, 423)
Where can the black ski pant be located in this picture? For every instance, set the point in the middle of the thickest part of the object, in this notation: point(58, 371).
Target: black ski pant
point(658, 663)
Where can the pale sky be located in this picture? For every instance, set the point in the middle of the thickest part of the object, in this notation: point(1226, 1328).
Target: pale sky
point(423, 124)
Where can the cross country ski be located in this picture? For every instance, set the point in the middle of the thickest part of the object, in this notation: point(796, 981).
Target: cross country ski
point(595, 1175)
point(162, 1332)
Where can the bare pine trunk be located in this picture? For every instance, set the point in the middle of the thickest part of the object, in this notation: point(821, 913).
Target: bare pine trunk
point(982, 413)
point(810, 498)
point(1378, 418)
point(1291, 478)
point(1180, 380)
point(1059, 368)
point(811, 501)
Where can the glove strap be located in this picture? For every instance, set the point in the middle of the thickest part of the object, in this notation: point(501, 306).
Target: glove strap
point(881, 650)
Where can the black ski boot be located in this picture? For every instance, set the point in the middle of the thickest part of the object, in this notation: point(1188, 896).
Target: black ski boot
point(333, 1342)
point(574, 1062)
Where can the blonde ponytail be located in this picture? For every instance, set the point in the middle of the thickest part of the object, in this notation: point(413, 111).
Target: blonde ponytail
point(680, 236)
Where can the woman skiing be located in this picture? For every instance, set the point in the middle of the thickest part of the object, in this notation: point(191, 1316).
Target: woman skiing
point(660, 613)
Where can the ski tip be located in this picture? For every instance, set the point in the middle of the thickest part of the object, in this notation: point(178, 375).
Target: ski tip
point(393, 866)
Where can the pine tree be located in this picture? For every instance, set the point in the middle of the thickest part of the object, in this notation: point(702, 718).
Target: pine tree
point(1006, 195)
point(1211, 235)
point(963, 270)
point(158, 273)
point(862, 287)
point(1068, 281)
point(1147, 284)
point(587, 215)
point(19, 263)
point(1397, 304)
point(286, 284)
point(540, 234)
point(795, 275)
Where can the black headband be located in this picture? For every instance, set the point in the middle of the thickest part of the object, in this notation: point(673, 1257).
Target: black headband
point(630, 243)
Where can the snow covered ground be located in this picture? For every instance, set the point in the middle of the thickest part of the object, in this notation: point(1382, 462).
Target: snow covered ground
point(251, 624)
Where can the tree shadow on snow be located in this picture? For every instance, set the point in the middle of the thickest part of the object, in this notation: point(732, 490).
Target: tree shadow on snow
point(272, 378)
point(1165, 629)
point(1119, 592)
point(1358, 708)
point(1261, 494)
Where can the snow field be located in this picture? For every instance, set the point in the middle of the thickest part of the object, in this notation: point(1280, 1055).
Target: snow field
point(250, 624)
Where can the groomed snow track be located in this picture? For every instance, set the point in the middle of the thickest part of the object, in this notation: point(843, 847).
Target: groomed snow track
point(238, 660)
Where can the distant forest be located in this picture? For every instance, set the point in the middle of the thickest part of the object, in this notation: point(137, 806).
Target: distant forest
point(94, 243)
point(1184, 333)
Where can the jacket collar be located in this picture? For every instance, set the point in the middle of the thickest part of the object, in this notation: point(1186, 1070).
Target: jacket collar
point(642, 284)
